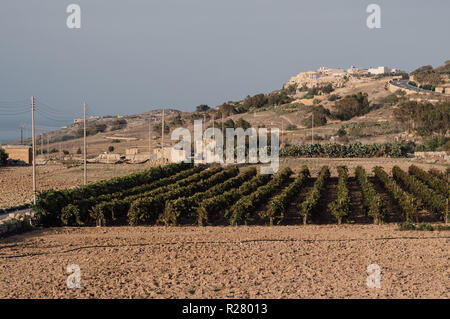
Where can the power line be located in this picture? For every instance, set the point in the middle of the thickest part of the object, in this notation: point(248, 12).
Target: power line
point(53, 117)
point(46, 106)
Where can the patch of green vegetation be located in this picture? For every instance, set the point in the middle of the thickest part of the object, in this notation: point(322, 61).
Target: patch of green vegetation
point(119, 124)
point(428, 118)
point(435, 143)
point(421, 227)
point(320, 116)
point(3, 157)
point(291, 127)
point(351, 106)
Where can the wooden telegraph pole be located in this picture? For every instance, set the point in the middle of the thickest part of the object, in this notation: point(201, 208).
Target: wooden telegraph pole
point(149, 138)
point(162, 134)
point(42, 142)
point(21, 133)
point(84, 145)
point(34, 149)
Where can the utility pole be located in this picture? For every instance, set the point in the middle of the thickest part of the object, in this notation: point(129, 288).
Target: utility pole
point(48, 145)
point(312, 128)
point(21, 133)
point(162, 136)
point(282, 129)
point(162, 132)
point(84, 145)
point(149, 138)
point(42, 142)
point(34, 150)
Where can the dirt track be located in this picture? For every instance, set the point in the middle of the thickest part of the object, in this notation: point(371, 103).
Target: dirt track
point(226, 262)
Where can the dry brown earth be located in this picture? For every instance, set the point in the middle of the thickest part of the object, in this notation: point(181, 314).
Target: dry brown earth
point(226, 262)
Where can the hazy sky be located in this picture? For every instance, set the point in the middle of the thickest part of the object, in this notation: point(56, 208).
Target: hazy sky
point(131, 56)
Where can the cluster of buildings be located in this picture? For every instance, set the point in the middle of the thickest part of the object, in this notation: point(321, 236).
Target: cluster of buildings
point(373, 71)
point(338, 76)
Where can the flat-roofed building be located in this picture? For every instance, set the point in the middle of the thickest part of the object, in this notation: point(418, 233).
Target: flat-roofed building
point(444, 89)
point(379, 70)
point(21, 153)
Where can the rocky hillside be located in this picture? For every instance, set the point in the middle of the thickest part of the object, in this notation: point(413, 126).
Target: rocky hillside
point(360, 108)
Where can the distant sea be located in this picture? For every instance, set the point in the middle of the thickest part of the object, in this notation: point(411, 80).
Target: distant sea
point(10, 128)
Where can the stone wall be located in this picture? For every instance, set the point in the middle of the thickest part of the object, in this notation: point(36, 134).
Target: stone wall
point(17, 222)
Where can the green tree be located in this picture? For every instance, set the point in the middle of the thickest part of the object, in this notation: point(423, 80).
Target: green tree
point(341, 131)
point(351, 106)
point(242, 123)
point(202, 108)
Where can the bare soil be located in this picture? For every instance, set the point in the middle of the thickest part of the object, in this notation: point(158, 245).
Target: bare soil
point(327, 261)
point(16, 185)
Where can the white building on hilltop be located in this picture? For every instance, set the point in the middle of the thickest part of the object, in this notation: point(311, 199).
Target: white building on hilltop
point(379, 70)
point(357, 71)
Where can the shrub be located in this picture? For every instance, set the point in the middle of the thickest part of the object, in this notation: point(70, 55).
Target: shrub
point(291, 127)
point(50, 203)
point(340, 208)
point(185, 208)
point(279, 204)
point(3, 157)
point(341, 132)
point(151, 206)
point(352, 150)
point(213, 207)
point(411, 226)
point(333, 97)
point(70, 215)
point(434, 182)
point(119, 124)
point(312, 198)
point(428, 118)
point(320, 117)
point(371, 200)
point(351, 106)
point(202, 108)
point(241, 211)
point(403, 199)
point(433, 201)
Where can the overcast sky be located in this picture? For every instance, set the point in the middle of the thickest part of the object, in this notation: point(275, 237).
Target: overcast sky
point(132, 56)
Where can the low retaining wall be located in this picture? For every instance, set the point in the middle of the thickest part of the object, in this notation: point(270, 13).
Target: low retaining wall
point(431, 155)
point(17, 222)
